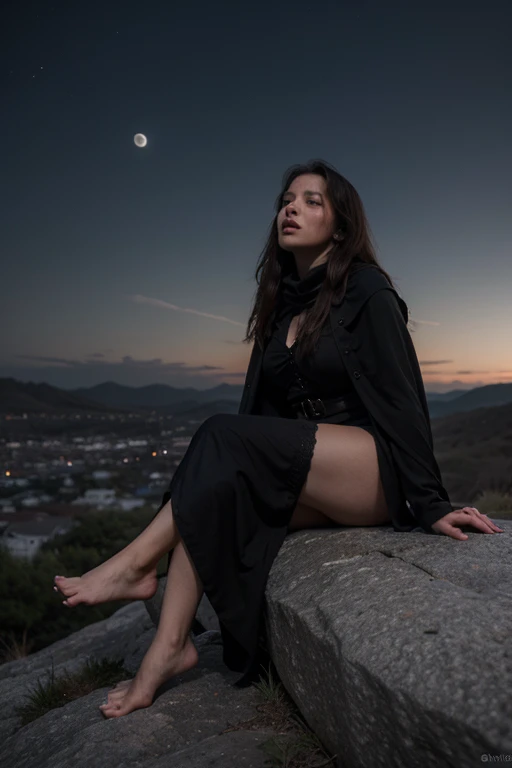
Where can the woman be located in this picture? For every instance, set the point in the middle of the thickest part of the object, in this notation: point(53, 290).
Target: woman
point(332, 430)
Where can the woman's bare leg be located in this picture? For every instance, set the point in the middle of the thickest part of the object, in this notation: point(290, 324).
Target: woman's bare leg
point(131, 573)
point(172, 650)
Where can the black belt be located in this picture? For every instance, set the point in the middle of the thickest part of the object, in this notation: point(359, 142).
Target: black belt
point(317, 408)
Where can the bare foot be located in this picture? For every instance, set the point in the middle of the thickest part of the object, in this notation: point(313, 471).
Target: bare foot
point(158, 665)
point(115, 579)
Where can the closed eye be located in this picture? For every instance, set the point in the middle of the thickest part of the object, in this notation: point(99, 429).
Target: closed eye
point(315, 202)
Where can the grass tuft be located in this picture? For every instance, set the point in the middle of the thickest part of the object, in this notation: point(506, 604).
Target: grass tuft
point(57, 692)
point(14, 650)
point(296, 745)
point(495, 504)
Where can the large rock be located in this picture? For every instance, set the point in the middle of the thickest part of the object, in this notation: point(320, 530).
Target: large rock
point(397, 647)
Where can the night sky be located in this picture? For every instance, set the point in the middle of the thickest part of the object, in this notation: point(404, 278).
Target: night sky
point(136, 265)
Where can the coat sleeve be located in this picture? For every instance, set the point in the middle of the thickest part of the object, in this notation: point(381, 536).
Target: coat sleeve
point(394, 388)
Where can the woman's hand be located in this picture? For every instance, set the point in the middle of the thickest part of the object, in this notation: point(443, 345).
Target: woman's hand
point(466, 516)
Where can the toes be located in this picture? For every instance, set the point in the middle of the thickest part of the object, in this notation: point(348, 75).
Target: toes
point(110, 710)
point(67, 583)
point(66, 586)
point(119, 691)
point(66, 591)
point(71, 600)
point(116, 695)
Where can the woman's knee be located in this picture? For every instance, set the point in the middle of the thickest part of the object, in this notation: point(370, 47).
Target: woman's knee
point(216, 422)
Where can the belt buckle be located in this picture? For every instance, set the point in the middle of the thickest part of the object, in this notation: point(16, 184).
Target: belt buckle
point(313, 412)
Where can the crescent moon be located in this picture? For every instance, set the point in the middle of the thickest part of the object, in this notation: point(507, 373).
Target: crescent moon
point(140, 140)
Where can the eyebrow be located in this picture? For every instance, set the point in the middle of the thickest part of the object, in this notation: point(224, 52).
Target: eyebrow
point(306, 192)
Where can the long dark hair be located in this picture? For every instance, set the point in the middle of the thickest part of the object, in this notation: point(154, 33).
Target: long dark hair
point(357, 241)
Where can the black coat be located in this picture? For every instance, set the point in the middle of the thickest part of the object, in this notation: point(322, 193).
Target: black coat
point(370, 330)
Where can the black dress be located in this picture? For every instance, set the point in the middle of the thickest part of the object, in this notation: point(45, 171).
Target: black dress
point(287, 381)
point(235, 490)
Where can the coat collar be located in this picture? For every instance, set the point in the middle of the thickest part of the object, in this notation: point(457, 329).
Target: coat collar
point(363, 281)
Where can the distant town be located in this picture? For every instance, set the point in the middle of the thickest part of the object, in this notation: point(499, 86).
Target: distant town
point(57, 465)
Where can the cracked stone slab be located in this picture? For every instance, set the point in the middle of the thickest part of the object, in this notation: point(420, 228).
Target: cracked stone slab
point(396, 647)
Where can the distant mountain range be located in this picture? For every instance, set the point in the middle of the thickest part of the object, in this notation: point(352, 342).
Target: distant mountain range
point(461, 401)
point(156, 395)
point(18, 397)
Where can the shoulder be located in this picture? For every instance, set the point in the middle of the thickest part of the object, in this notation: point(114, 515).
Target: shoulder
point(366, 282)
point(366, 278)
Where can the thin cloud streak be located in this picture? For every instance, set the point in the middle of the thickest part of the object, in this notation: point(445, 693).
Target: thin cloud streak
point(138, 299)
point(423, 322)
point(126, 362)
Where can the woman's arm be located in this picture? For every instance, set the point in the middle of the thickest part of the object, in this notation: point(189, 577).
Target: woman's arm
point(392, 380)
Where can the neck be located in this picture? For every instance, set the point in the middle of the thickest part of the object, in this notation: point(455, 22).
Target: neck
point(307, 259)
point(304, 267)
point(301, 292)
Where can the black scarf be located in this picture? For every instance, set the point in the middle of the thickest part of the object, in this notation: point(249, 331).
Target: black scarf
point(300, 294)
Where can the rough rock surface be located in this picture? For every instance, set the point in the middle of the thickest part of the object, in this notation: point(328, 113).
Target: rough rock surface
point(183, 727)
point(397, 647)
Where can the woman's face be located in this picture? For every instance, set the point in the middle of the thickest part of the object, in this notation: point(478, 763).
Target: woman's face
point(306, 202)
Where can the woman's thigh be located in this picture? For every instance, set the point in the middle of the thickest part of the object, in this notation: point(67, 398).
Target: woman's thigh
point(343, 484)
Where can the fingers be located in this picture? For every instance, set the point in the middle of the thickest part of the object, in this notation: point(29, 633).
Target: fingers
point(455, 533)
point(465, 516)
point(477, 521)
point(492, 526)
